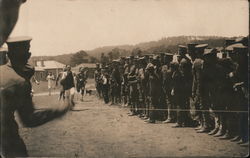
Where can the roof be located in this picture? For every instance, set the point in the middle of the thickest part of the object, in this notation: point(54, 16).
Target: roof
point(48, 64)
point(39, 69)
point(87, 65)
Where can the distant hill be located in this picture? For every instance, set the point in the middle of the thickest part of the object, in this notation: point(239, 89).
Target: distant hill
point(168, 44)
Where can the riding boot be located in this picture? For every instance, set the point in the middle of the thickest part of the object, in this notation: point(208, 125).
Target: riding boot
point(200, 125)
point(204, 128)
point(221, 130)
point(216, 126)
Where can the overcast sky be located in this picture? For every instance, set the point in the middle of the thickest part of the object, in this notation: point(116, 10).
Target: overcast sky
point(66, 26)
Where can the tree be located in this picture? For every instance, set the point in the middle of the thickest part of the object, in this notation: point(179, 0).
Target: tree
point(136, 51)
point(78, 58)
point(93, 60)
point(104, 59)
point(110, 55)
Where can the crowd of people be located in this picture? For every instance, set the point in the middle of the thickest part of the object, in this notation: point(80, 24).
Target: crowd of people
point(195, 87)
point(154, 87)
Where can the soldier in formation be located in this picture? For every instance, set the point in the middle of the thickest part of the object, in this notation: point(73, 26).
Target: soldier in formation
point(193, 87)
point(98, 82)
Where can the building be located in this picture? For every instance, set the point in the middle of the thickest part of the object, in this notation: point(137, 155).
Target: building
point(91, 68)
point(43, 67)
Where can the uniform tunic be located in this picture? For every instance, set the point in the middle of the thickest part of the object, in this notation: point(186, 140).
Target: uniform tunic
point(15, 96)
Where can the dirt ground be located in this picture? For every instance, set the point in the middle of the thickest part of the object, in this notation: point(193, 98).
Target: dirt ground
point(96, 130)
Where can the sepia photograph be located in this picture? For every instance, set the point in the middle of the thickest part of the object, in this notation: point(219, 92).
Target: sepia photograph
point(124, 78)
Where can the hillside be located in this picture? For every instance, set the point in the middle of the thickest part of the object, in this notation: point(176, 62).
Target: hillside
point(168, 44)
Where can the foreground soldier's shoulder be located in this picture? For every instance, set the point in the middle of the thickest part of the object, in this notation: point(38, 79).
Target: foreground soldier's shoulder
point(9, 77)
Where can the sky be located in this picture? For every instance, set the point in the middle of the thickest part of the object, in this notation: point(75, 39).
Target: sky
point(66, 26)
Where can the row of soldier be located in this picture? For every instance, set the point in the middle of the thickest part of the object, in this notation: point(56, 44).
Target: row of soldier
point(194, 87)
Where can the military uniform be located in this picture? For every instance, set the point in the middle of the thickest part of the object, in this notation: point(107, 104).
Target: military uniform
point(240, 81)
point(125, 86)
point(155, 87)
point(98, 84)
point(115, 84)
point(105, 84)
point(182, 81)
point(133, 89)
point(142, 87)
point(191, 51)
point(198, 89)
point(167, 83)
point(15, 96)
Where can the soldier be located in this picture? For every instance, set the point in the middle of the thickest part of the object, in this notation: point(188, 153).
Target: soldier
point(213, 75)
point(182, 83)
point(16, 84)
point(167, 73)
point(142, 86)
point(240, 87)
point(220, 89)
point(105, 84)
point(228, 66)
point(177, 94)
point(162, 106)
point(198, 89)
point(97, 77)
point(191, 51)
point(155, 87)
point(125, 88)
point(115, 83)
point(146, 80)
point(133, 89)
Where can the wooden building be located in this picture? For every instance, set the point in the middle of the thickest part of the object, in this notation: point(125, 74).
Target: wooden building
point(43, 67)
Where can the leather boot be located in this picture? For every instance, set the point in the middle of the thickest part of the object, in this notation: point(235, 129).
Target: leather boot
point(226, 135)
point(177, 125)
point(150, 121)
point(221, 129)
point(241, 141)
point(214, 131)
point(169, 120)
point(204, 128)
point(200, 126)
point(216, 128)
point(219, 133)
point(246, 144)
point(235, 139)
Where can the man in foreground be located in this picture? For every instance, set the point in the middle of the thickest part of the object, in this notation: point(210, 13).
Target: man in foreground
point(16, 84)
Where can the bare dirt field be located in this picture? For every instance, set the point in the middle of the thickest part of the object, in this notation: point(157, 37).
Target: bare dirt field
point(98, 130)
